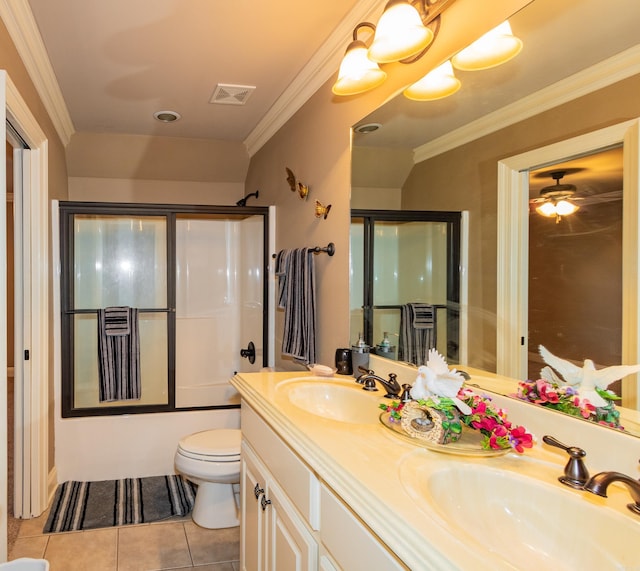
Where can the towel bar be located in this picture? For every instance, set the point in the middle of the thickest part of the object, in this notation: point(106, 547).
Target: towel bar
point(330, 249)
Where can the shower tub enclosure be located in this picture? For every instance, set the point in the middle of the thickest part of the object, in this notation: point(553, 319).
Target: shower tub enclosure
point(197, 276)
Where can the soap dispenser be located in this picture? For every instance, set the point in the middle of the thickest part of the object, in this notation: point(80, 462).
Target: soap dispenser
point(360, 354)
point(385, 349)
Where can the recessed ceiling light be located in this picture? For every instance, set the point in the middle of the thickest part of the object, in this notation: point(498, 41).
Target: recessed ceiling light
point(367, 128)
point(166, 116)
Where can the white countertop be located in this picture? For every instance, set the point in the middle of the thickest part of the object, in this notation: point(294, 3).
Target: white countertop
point(370, 468)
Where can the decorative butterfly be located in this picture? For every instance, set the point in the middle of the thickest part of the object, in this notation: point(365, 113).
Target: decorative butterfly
point(303, 189)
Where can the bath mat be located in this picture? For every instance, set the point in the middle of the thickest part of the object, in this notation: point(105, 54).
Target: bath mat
point(91, 505)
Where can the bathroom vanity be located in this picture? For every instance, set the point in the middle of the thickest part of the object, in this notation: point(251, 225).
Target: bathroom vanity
point(325, 486)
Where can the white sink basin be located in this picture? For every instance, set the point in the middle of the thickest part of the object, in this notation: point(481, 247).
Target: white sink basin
point(524, 523)
point(344, 401)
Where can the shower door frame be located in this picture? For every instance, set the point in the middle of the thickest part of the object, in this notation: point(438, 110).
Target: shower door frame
point(455, 282)
point(170, 212)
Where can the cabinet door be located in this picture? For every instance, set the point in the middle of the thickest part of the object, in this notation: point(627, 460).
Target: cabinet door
point(253, 486)
point(290, 545)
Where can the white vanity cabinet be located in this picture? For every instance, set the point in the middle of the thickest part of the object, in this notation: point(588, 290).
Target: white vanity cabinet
point(276, 532)
point(291, 520)
point(274, 537)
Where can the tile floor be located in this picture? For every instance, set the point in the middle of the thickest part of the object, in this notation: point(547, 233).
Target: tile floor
point(177, 544)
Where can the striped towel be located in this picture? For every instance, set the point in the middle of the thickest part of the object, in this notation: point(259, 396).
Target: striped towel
point(417, 332)
point(118, 354)
point(116, 321)
point(296, 295)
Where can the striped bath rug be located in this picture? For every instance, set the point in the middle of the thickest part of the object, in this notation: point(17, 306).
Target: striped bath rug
point(91, 505)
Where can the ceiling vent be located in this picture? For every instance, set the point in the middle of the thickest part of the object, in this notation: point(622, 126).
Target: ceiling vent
point(227, 94)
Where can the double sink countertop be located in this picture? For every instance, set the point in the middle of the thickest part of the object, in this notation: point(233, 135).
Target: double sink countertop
point(383, 478)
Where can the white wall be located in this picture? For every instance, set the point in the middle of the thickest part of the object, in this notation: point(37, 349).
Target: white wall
point(128, 446)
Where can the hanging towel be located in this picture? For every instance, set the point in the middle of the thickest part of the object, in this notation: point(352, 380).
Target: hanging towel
point(118, 354)
point(296, 295)
point(417, 332)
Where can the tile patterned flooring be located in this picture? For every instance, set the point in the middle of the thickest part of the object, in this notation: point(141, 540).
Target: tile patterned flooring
point(176, 544)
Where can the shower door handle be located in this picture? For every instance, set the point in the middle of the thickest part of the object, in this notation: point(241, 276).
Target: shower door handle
point(249, 352)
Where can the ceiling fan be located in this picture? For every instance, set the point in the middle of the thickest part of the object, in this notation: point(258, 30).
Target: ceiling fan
point(558, 199)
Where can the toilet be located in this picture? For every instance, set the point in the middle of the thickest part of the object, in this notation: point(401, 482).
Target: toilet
point(211, 459)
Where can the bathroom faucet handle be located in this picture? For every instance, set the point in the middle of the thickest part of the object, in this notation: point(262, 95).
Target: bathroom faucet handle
point(575, 472)
point(364, 372)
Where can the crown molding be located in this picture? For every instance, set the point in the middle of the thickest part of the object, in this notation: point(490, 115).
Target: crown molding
point(607, 72)
point(320, 68)
point(21, 25)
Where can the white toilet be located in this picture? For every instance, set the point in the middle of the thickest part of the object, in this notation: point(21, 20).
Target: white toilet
point(211, 459)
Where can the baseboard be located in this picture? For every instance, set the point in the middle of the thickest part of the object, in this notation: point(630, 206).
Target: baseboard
point(52, 485)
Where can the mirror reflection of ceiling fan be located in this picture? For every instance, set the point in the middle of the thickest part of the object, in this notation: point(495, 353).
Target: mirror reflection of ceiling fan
point(563, 199)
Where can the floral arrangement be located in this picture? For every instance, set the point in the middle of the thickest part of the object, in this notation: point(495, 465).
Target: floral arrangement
point(498, 432)
point(567, 399)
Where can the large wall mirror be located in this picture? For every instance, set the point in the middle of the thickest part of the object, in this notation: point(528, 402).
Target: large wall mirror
point(575, 76)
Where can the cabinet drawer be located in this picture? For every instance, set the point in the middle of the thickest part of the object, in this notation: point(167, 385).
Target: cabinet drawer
point(350, 543)
point(293, 475)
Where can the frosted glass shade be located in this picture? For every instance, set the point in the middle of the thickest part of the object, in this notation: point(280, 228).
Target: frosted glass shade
point(560, 208)
point(357, 72)
point(496, 47)
point(437, 84)
point(400, 33)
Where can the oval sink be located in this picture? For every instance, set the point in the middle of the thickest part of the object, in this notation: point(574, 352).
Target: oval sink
point(332, 400)
point(524, 522)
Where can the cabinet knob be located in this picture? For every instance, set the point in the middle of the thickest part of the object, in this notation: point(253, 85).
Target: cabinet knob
point(265, 502)
point(257, 491)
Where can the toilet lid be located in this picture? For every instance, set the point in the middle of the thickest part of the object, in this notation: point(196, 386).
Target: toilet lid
point(220, 442)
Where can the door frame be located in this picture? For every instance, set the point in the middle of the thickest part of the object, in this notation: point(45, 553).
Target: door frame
point(513, 243)
point(32, 403)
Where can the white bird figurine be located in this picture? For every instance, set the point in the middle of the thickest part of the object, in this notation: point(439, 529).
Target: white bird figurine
point(437, 380)
point(584, 379)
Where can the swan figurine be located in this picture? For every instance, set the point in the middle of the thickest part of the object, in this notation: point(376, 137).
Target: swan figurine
point(584, 379)
point(437, 380)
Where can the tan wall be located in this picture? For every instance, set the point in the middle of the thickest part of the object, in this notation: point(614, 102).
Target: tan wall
point(92, 189)
point(10, 61)
point(141, 157)
point(466, 179)
point(315, 144)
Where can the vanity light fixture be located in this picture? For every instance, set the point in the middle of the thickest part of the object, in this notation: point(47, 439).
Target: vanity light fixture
point(437, 84)
point(494, 48)
point(556, 199)
point(404, 33)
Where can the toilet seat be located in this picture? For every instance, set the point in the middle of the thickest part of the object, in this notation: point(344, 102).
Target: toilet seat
point(218, 445)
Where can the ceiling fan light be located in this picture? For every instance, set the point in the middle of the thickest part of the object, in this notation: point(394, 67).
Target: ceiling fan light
point(400, 33)
point(357, 72)
point(547, 209)
point(494, 48)
point(564, 208)
point(437, 84)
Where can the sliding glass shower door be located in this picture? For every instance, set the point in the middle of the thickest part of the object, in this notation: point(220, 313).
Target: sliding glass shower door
point(401, 258)
point(219, 304)
point(120, 261)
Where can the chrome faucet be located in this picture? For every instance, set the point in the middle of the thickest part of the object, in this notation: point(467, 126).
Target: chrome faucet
point(369, 379)
point(599, 483)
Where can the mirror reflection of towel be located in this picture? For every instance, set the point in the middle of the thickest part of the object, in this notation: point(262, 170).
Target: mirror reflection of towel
point(417, 332)
point(118, 354)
